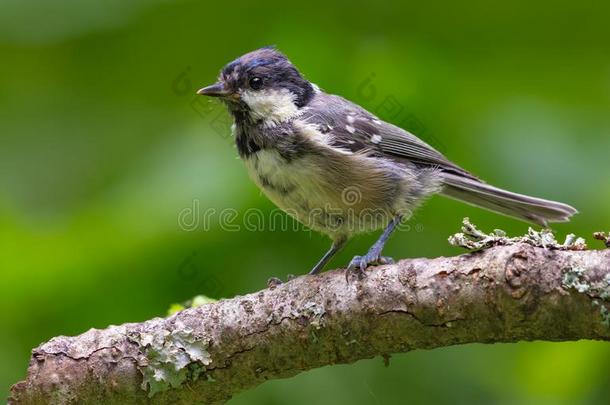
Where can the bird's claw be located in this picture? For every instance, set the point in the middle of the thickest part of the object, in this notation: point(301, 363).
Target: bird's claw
point(359, 264)
point(356, 266)
point(273, 282)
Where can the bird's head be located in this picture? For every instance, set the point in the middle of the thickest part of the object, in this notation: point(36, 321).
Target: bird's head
point(262, 85)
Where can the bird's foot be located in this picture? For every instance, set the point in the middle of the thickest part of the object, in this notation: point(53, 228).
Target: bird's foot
point(275, 281)
point(360, 263)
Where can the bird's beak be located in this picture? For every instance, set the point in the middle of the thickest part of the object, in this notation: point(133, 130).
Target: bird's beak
point(214, 90)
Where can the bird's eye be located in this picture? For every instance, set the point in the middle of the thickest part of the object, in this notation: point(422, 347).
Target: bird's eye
point(256, 83)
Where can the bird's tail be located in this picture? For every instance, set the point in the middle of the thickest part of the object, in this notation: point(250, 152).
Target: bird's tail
point(523, 207)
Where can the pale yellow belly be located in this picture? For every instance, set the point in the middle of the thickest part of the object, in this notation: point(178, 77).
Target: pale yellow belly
point(337, 197)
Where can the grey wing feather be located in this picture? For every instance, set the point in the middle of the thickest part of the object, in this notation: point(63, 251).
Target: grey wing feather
point(353, 128)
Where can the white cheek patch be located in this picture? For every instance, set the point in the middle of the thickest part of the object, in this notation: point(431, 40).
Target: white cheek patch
point(272, 106)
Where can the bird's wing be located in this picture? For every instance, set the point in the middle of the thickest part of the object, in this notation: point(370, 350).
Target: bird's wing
point(350, 127)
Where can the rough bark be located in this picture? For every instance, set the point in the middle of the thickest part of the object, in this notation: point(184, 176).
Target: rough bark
point(207, 354)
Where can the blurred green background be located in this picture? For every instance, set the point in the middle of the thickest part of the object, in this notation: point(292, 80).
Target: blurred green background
point(103, 145)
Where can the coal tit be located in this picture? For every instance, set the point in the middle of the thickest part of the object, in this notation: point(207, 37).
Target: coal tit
point(339, 169)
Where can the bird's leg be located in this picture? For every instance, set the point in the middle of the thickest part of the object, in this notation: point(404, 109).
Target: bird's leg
point(336, 246)
point(373, 256)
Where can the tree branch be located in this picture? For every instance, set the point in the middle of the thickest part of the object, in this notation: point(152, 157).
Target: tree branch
point(207, 354)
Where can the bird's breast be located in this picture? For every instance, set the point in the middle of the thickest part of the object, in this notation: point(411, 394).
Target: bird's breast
point(328, 193)
point(287, 182)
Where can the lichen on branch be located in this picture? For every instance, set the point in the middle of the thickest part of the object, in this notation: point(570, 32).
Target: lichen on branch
point(472, 238)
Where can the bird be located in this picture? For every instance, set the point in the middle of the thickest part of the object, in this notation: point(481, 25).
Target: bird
point(339, 169)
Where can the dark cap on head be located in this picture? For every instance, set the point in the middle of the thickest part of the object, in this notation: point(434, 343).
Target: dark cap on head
point(264, 68)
